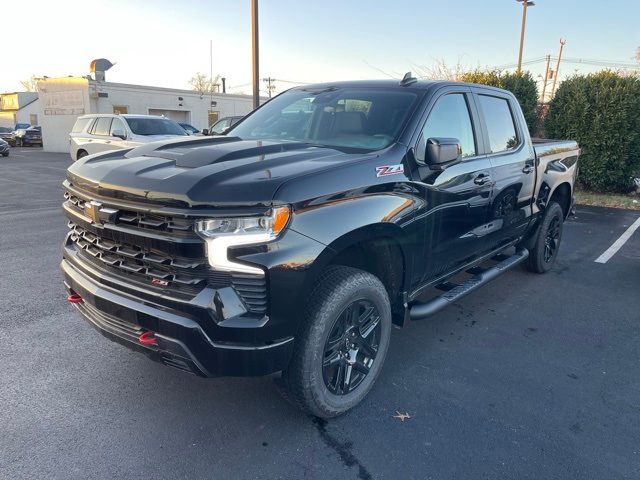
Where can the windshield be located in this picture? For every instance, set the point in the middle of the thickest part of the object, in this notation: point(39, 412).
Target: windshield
point(154, 126)
point(362, 118)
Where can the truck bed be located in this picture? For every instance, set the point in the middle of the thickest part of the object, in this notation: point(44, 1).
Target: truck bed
point(545, 147)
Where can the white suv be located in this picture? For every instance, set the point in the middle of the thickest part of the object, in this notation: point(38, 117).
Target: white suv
point(101, 132)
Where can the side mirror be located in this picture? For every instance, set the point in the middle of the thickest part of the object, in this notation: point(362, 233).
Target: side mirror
point(440, 151)
point(119, 134)
point(205, 131)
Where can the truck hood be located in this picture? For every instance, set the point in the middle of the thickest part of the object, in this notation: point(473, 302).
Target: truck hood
point(205, 171)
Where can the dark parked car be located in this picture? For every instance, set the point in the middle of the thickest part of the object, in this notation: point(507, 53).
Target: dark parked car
point(28, 137)
point(4, 148)
point(296, 241)
point(7, 135)
point(223, 125)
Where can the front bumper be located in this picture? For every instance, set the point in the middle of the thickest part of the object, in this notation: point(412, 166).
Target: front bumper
point(182, 342)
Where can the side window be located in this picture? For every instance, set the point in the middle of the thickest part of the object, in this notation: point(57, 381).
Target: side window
point(117, 124)
point(499, 121)
point(80, 124)
point(92, 125)
point(221, 126)
point(101, 126)
point(450, 118)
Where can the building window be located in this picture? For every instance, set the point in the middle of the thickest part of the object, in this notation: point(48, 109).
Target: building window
point(121, 109)
point(33, 119)
point(213, 117)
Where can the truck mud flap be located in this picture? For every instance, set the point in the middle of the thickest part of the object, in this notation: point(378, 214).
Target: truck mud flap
point(454, 292)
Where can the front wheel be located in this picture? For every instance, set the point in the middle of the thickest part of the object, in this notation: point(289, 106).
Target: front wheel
point(545, 250)
point(342, 344)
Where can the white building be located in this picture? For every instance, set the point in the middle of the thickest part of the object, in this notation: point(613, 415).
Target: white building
point(63, 99)
point(19, 107)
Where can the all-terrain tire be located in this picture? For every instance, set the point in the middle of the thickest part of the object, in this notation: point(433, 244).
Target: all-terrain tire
point(547, 243)
point(303, 383)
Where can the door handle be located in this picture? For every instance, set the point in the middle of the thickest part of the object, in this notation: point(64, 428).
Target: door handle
point(107, 141)
point(482, 179)
point(527, 169)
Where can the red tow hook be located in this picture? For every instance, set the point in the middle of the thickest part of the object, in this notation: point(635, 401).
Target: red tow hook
point(148, 339)
point(74, 298)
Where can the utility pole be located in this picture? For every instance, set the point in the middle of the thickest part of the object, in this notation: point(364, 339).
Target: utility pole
point(270, 86)
point(525, 4)
point(546, 77)
point(555, 77)
point(255, 53)
point(209, 122)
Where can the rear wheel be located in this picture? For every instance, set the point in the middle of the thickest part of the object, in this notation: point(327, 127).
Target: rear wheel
point(80, 154)
point(342, 344)
point(545, 250)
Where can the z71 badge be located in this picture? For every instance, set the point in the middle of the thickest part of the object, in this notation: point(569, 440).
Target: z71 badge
point(385, 170)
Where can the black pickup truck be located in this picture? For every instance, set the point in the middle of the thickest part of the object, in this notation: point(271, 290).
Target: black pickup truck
point(291, 245)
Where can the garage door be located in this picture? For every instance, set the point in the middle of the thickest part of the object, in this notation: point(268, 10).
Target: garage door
point(177, 115)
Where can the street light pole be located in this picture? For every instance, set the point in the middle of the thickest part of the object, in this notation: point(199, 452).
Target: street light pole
point(525, 4)
point(255, 53)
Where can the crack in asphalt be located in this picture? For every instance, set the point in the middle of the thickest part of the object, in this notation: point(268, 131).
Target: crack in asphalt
point(343, 449)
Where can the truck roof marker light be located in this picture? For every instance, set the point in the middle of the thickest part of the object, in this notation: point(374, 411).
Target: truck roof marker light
point(148, 339)
point(74, 298)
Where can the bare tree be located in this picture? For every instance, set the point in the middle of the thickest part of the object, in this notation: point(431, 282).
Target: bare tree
point(30, 84)
point(638, 54)
point(204, 85)
point(440, 70)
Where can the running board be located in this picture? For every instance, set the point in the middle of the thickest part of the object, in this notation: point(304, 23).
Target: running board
point(453, 292)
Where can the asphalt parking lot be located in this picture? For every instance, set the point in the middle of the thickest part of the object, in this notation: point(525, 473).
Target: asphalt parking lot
point(530, 377)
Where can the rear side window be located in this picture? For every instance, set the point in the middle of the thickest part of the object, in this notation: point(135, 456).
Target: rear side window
point(499, 121)
point(101, 126)
point(80, 124)
point(450, 118)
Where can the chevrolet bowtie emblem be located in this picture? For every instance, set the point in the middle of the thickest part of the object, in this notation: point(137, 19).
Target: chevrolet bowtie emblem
point(92, 210)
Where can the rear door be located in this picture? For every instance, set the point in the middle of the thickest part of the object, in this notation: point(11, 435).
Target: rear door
point(508, 147)
point(99, 137)
point(457, 197)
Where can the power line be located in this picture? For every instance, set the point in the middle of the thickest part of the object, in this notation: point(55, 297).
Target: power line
point(291, 81)
point(584, 61)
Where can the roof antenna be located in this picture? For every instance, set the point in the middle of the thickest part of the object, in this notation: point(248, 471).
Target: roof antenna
point(407, 80)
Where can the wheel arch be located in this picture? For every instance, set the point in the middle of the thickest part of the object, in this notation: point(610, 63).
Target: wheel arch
point(380, 249)
point(562, 195)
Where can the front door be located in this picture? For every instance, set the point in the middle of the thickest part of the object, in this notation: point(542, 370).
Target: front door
point(455, 213)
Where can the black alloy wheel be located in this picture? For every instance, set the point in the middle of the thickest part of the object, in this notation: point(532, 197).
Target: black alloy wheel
point(552, 240)
point(351, 347)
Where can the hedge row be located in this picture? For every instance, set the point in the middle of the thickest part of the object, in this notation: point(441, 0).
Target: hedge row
point(602, 112)
point(522, 85)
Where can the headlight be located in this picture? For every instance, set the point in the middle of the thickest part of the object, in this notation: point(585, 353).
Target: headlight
point(222, 233)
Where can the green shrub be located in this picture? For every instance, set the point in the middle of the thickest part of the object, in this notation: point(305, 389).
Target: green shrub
point(522, 85)
point(602, 112)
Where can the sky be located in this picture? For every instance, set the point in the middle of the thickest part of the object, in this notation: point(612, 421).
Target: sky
point(165, 42)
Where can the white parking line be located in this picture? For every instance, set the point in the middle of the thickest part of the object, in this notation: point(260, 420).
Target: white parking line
point(611, 251)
